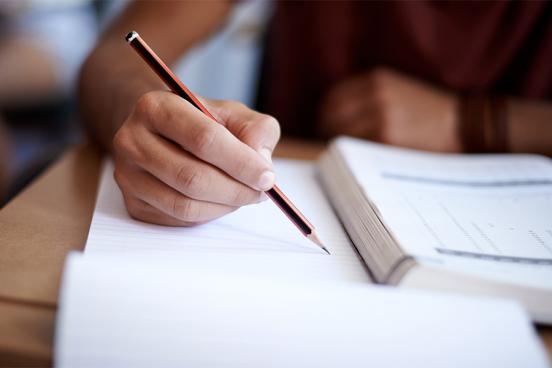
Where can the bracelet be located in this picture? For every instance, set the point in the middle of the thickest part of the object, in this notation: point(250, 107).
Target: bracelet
point(500, 125)
point(471, 123)
point(483, 124)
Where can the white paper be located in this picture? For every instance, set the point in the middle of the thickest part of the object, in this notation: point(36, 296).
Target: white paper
point(134, 313)
point(485, 214)
point(256, 231)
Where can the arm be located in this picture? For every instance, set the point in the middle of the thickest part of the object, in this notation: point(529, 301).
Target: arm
point(530, 126)
point(392, 108)
point(28, 74)
point(113, 77)
point(38, 59)
point(174, 165)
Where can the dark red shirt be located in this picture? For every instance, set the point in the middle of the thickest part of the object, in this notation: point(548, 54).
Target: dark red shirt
point(471, 47)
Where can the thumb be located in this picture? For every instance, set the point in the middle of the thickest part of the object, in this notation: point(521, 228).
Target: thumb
point(259, 131)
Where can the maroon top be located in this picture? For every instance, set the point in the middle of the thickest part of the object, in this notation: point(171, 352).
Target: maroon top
point(471, 47)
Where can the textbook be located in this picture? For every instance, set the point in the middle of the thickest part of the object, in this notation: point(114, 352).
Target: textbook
point(248, 290)
point(479, 224)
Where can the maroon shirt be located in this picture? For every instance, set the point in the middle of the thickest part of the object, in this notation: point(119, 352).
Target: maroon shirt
point(471, 47)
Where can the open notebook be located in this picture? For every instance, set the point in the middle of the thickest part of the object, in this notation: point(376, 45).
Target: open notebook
point(259, 230)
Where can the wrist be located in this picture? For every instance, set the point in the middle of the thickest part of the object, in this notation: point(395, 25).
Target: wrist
point(452, 121)
point(483, 124)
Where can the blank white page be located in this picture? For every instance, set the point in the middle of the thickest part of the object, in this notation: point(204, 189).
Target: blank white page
point(259, 231)
point(135, 313)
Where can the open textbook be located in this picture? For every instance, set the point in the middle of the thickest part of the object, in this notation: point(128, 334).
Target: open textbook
point(479, 224)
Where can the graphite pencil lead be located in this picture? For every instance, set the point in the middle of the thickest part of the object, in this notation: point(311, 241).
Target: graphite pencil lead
point(316, 240)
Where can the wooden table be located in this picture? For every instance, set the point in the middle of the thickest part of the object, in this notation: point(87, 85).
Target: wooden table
point(38, 228)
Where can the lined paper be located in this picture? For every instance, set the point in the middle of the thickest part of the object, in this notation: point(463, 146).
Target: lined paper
point(259, 230)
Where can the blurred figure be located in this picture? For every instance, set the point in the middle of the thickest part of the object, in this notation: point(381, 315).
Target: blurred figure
point(440, 76)
point(424, 74)
point(42, 44)
point(4, 151)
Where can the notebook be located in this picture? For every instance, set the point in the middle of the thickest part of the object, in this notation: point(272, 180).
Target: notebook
point(133, 312)
point(259, 230)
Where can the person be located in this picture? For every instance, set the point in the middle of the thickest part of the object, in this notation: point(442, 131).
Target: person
point(42, 45)
point(446, 77)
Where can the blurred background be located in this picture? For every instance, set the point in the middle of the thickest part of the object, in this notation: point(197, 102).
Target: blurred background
point(470, 76)
point(44, 42)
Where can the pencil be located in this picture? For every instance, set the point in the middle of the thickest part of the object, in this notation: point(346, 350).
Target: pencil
point(176, 86)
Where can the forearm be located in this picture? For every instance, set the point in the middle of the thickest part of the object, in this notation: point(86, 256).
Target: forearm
point(113, 78)
point(27, 73)
point(530, 126)
point(108, 88)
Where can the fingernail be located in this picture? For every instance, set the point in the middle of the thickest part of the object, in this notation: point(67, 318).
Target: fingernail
point(262, 197)
point(267, 154)
point(266, 180)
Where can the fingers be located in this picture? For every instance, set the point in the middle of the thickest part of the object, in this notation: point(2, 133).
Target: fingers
point(177, 120)
point(175, 166)
point(367, 123)
point(142, 211)
point(259, 131)
point(364, 124)
point(164, 204)
point(344, 103)
point(358, 116)
point(357, 106)
point(346, 98)
point(185, 173)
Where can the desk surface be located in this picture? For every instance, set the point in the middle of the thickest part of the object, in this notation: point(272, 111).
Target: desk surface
point(38, 228)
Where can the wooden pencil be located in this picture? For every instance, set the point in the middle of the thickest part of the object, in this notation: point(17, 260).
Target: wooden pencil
point(176, 86)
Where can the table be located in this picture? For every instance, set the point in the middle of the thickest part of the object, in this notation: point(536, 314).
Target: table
point(39, 227)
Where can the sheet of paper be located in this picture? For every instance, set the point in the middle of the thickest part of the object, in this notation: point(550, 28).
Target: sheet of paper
point(256, 231)
point(135, 313)
point(488, 214)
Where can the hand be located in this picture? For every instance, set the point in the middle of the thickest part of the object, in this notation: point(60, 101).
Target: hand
point(389, 107)
point(175, 166)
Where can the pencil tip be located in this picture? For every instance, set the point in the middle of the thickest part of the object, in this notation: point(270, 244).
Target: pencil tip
point(316, 240)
